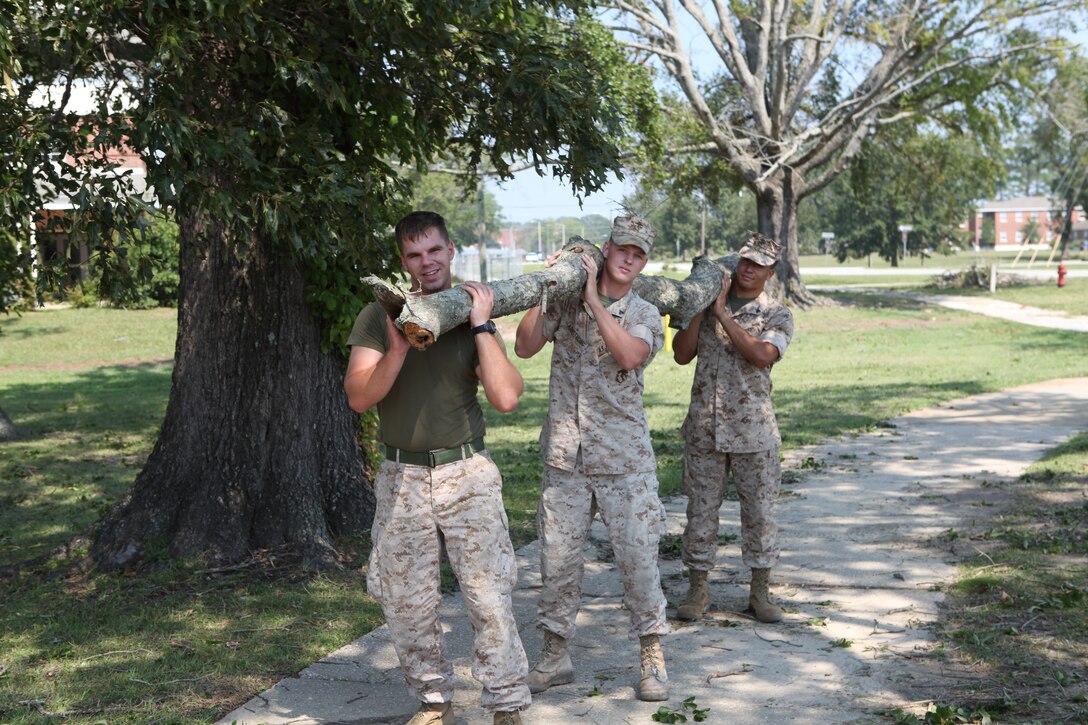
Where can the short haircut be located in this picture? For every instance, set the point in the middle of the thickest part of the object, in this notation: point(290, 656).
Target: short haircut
point(416, 224)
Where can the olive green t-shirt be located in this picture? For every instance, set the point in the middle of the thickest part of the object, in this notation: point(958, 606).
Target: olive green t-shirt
point(735, 303)
point(433, 402)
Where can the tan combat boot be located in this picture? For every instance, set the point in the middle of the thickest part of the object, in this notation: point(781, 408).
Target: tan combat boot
point(433, 713)
point(554, 667)
point(760, 600)
point(512, 717)
point(698, 597)
point(654, 685)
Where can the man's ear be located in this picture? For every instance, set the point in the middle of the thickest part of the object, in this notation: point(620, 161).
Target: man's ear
point(605, 248)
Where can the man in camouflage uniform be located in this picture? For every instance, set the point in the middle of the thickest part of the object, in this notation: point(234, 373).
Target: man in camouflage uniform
point(731, 426)
point(438, 480)
point(597, 454)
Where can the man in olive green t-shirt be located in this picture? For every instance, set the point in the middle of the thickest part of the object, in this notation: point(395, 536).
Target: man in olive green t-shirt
point(439, 479)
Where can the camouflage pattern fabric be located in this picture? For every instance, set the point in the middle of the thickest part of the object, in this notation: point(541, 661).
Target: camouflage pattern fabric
point(758, 478)
point(730, 407)
point(462, 500)
point(596, 405)
point(632, 512)
point(597, 455)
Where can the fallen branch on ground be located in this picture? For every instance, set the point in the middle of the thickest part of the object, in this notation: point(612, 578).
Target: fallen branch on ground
point(715, 675)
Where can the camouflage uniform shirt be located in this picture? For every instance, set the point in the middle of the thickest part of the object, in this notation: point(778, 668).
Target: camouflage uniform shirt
point(595, 404)
point(730, 407)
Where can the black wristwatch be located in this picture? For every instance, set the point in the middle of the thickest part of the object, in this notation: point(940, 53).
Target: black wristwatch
point(488, 326)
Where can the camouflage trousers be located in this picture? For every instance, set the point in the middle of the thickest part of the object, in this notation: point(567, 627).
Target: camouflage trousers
point(758, 477)
point(635, 519)
point(463, 501)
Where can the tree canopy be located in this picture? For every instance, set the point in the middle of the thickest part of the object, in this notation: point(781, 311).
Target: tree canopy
point(314, 112)
point(927, 180)
point(795, 90)
point(283, 135)
point(1061, 135)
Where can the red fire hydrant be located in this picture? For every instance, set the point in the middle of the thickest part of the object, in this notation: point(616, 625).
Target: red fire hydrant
point(1061, 274)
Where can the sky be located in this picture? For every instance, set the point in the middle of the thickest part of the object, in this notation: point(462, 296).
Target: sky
point(528, 197)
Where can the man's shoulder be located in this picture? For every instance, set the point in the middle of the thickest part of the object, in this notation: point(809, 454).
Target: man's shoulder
point(773, 306)
point(371, 310)
point(369, 328)
point(638, 305)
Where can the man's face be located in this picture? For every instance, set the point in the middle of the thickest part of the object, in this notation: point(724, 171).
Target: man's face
point(750, 278)
point(427, 259)
point(623, 262)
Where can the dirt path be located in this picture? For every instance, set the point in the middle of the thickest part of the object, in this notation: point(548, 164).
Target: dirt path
point(863, 564)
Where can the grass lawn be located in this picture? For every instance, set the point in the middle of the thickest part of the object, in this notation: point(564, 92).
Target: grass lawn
point(180, 644)
point(961, 258)
point(873, 281)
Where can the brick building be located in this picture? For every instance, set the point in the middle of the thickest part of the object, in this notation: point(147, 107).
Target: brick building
point(1018, 221)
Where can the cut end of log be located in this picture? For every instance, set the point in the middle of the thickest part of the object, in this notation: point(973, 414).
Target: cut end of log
point(389, 297)
point(418, 337)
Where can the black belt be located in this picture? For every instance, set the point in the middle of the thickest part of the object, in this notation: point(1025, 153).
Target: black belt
point(436, 457)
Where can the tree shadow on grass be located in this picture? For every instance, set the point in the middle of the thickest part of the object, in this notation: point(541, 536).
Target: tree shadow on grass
point(877, 300)
point(809, 416)
point(86, 435)
point(28, 332)
point(117, 397)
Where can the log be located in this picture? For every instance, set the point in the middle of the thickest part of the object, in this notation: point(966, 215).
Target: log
point(423, 318)
point(682, 299)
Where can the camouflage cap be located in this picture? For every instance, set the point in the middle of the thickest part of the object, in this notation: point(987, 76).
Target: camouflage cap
point(760, 249)
point(633, 230)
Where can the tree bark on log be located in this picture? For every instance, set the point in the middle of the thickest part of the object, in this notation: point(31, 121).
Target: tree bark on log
point(682, 299)
point(258, 447)
point(424, 318)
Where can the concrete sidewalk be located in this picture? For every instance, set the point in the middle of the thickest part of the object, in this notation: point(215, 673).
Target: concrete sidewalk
point(861, 563)
point(1024, 314)
point(1012, 311)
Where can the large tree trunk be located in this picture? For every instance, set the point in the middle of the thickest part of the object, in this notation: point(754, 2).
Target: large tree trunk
point(776, 207)
point(258, 448)
point(424, 318)
point(8, 430)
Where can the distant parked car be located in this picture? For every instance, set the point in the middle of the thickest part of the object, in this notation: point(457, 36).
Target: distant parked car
point(534, 257)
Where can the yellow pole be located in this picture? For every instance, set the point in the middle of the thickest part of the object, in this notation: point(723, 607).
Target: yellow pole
point(668, 334)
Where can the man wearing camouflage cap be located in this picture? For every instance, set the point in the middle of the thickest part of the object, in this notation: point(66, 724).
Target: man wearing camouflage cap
point(597, 454)
point(731, 426)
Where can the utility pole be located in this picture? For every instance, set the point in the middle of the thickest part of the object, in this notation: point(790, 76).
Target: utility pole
point(702, 231)
point(480, 228)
